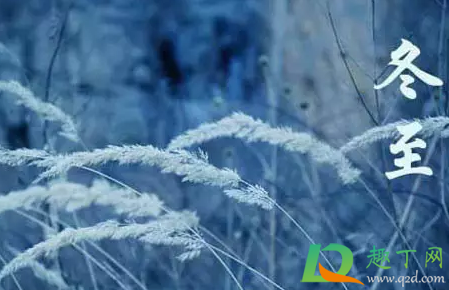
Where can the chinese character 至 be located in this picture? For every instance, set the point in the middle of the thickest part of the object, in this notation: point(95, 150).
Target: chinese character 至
point(402, 58)
point(378, 257)
point(403, 145)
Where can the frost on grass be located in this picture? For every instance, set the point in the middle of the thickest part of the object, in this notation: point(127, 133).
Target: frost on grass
point(51, 277)
point(182, 163)
point(72, 196)
point(244, 127)
point(251, 195)
point(171, 229)
point(20, 156)
point(430, 127)
point(193, 168)
point(46, 111)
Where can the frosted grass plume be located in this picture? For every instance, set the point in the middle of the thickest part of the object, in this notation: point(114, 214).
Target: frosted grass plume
point(251, 195)
point(21, 156)
point(193, 168)
point(165, 230)
point(45, 110)
point(51, 277)
point(430, 126)
point(72, 196)
point(182, 163)
point(244, 127)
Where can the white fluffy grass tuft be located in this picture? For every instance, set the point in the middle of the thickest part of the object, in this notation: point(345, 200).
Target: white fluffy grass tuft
point(244, 127)
point(47, 111)
point(72, 196)
point(21, 156)
point(170, 229)
point(50, 276)
point(430, 126)
point(193, 168)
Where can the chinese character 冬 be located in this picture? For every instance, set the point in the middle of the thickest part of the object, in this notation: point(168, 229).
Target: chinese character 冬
point(402, 58)
point(403, 145)
point(406, 256)
point(378, 257)
point(435, 254)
